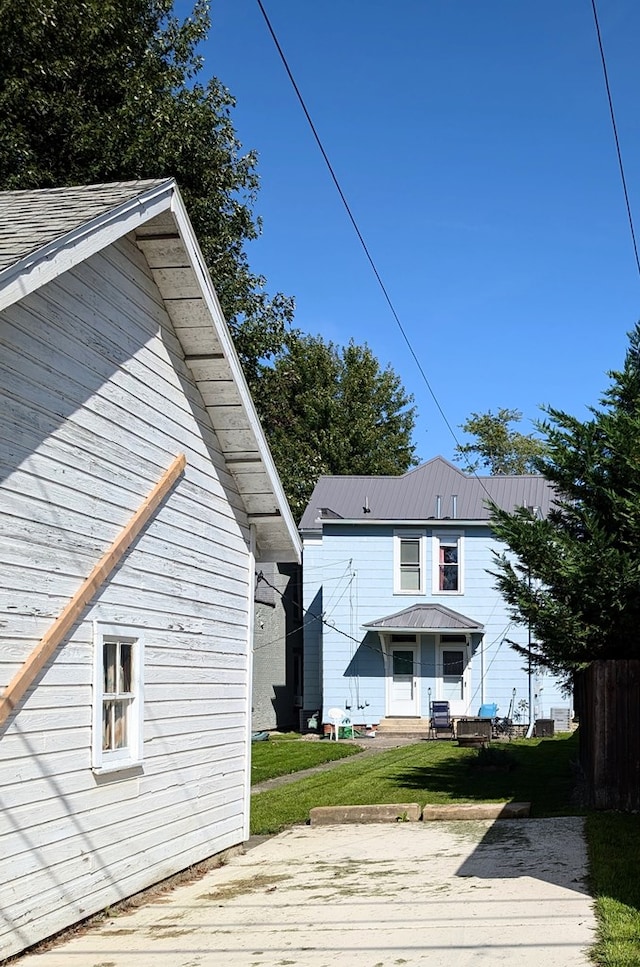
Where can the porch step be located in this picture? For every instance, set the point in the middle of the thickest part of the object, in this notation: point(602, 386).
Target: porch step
point(410, 726)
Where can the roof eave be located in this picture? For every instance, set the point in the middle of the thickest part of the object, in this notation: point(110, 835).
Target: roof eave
point(404, 630)
point(276, 532)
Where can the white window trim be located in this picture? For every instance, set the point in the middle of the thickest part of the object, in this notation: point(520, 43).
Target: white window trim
point(412, 535)
point(446, 537)
point(118, 760)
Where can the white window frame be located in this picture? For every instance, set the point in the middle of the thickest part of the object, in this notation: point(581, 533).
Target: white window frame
point(447, 538)
point(409, 535)
point(131, 755)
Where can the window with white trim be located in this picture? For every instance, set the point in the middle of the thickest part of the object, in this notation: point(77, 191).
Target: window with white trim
point(447, 564)
point(408, 562)
point(118, 700)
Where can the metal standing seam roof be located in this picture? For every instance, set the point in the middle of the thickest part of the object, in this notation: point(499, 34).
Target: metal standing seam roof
point(425, 617)
point(436, 490)
point(30, 220)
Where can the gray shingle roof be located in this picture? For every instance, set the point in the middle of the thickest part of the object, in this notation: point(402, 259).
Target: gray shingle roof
point(31, 219)
point(414, 495)
point(425, 617)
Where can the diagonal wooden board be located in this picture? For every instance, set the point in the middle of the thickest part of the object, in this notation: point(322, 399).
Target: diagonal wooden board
point(66, 620)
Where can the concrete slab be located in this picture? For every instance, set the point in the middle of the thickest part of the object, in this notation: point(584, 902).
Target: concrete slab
point(478, 810)
point(401, 812)
point(451, 894)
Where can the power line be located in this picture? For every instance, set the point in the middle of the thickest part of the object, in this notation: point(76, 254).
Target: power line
point(615, 134)
point(345, 634)
point(354, 222)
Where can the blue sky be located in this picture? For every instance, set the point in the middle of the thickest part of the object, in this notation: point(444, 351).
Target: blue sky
point(473, 142)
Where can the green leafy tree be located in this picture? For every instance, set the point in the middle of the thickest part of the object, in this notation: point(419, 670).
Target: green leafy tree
point(576, 575)
point(106, 90)
point(497, 447)
point(332, 410)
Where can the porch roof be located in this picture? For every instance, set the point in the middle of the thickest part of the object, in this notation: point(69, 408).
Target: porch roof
point(425, 617)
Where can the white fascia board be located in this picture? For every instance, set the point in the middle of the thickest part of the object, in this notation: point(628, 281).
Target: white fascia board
point(222, 331)
point(403, 522)
point(403, 630)
point(65, 252)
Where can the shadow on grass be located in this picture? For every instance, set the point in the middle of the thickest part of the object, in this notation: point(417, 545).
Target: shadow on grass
point(542, 774)
point(614, 853)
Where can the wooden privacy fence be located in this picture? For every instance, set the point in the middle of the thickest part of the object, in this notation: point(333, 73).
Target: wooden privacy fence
point(608, 704)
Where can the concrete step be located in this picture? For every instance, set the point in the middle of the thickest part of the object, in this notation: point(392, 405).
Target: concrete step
point(414, 727)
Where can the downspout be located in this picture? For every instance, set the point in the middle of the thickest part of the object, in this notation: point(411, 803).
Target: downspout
point(251, 566)
point(531, 720)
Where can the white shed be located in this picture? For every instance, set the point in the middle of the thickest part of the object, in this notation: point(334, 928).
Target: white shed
point(137, 494)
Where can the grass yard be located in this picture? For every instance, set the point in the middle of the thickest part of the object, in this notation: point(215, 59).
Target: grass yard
point(441, 772)
point(428, 772)
point(281, 756)
point(613, 841)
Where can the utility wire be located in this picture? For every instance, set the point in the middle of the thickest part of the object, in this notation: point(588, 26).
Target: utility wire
point(615, 134)
point(345, 634)
point(355, 224)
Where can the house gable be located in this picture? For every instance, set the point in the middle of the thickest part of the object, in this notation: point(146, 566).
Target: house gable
point(153, 217)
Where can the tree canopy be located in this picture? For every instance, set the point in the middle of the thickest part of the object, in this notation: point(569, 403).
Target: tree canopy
point(106, 90)
point(333, 410)
point(576, 575)
point(497, 447)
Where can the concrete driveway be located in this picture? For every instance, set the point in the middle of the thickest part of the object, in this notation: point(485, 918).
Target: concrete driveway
point(476, 892)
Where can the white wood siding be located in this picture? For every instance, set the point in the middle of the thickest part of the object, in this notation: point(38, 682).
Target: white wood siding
point(95, 402)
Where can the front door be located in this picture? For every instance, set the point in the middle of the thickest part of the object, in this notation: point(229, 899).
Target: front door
point(403, 680)
point(453, 677)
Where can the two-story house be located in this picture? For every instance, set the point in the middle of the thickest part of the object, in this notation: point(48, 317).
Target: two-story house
point(401, 608)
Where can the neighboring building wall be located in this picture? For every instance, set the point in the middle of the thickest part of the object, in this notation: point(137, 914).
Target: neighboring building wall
point(96, 402)
point(350, 571)
point(277, 657)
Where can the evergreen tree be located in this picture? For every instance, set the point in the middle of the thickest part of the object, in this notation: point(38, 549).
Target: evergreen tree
point(575, 577)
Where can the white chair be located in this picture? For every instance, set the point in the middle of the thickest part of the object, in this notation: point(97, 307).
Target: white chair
point(339, 719)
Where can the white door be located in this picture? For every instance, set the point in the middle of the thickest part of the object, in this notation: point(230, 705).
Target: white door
point(453, 678)
point(403, 680)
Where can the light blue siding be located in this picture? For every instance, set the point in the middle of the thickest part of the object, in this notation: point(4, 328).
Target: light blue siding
point(349, 581)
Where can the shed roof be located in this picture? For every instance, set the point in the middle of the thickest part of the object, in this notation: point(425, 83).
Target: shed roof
point(31, 219)
point(436, 490)
point(44, 233)
point(425, 617)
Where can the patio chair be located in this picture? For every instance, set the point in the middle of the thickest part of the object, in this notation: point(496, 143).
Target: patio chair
point(339, 720)
point(441, 720)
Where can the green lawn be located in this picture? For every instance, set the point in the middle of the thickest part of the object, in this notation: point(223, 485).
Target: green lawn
point(281, 756)
point(441, 772)
point(613, 840)
point(428, 772)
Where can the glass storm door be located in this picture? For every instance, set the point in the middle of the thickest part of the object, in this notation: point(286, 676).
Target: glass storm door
point(403, 693)
point(453, 678)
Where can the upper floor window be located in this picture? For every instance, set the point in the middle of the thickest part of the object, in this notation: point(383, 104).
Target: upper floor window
point(117, 698)
point(408, 563)
point(447, 564)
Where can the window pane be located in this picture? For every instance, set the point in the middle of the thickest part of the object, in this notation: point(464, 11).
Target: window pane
point(449, 555)
point(448, 577)
point(410, 579)
point(120, 725)
point(452, 663)
point(403, 663)
point(109, 651)
point(124, 670)
point(409, 552)
point(107, 726)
